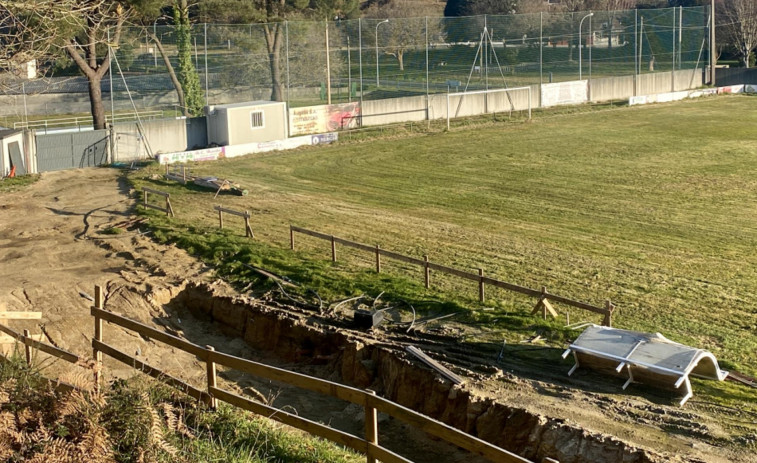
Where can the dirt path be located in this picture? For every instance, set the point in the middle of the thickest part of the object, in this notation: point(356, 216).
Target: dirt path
point(52, 249)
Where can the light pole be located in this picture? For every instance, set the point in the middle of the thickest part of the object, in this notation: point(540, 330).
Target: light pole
point(378, 84)
point(580, 50)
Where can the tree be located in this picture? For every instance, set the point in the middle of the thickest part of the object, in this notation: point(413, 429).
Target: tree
point(84, 30)
point(406, 29)
point(188, 77)
point(272, 14)
point(742, 27)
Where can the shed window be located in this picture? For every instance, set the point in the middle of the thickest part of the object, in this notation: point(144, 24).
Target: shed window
point(256, 119)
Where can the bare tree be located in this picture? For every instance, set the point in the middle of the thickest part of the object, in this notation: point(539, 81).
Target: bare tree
point(742, 27)
point(405, 30)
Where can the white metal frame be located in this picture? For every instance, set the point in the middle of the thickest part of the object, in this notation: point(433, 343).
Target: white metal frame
point(625, 361)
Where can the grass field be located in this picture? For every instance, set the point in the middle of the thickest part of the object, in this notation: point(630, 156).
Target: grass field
point(651, 207)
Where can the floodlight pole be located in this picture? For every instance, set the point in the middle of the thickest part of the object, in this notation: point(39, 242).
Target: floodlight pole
point(580, 49)
point(378, 84)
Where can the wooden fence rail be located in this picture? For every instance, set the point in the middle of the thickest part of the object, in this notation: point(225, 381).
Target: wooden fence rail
point(245, 215)
point(33, 342)
point(543, 295)
point(367, 399)
point(146, 203)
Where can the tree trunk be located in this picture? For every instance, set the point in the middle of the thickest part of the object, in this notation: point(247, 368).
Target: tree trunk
point(96, 102)
point(273, 37)
point(401, 59)
point(171, 73)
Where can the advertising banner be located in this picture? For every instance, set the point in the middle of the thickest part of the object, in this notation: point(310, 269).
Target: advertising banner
point(324, 118)
point(565, 93)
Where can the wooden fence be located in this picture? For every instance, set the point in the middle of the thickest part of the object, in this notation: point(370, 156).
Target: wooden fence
point(371, 403)
point(544, 297)
point(31, 342)
point(245, 215)
point(146, 203)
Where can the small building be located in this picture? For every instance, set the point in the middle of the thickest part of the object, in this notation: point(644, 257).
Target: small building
point(247, 122)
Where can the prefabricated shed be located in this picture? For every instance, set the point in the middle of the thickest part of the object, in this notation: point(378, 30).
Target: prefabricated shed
point(248, 122)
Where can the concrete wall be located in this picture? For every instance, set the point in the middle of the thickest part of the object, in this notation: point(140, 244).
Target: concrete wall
point(414, 108)
point(624, 87)
point(163, 136)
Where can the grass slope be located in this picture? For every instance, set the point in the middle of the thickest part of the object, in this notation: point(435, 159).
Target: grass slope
point(651, 207)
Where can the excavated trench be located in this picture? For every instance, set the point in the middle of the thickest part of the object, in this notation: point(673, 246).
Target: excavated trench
point(358, 359)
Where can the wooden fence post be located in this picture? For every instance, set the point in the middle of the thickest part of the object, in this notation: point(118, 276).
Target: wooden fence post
point(291, 238)
point(213, 402)
point(333, 249)
point(220, 218)
point(608, 314)
point(378, 259)
point(145, 198)
point(247, 228)
point(27, 348)
point(427, 273)
point(371, 428)
point(481, 295)
point(99, 337)
point(169, 209)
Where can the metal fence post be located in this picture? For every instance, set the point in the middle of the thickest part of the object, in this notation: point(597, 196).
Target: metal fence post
point(207, 94)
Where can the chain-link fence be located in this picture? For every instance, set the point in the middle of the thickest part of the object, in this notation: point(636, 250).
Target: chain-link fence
point(307, 63)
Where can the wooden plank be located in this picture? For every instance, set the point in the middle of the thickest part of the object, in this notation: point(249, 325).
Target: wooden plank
point(576, 304)
point(401, 258)
point(150, 332)
point(309, 426)
point(355, 245)
point(444, 431)
point(441, 369)
point(5, 339)
point(232, 212)
point(340, 391)
point(153, 206)
point(314, 234)
point(22, 315)
point(511, 287)
point(35, 343)
point(150, 190)
point(453, 271)
point(151, 371)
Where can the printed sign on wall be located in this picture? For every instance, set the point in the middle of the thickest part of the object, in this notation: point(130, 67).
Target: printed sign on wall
point(324, 118)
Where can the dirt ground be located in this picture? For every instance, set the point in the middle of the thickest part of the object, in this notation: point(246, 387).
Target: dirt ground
point(53, 249)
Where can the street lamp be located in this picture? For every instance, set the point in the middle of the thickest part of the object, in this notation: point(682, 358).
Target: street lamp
point(377, 54)
point(580, 52)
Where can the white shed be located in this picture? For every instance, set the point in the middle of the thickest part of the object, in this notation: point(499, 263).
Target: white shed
point(248, 122)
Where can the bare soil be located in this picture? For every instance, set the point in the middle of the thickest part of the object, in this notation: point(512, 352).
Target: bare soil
point(53, 249)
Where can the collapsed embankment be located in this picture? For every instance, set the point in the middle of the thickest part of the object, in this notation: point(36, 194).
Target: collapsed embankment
point(362, 361)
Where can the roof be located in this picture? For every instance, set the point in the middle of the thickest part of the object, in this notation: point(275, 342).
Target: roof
point(246, 104)
point(645, 353)
point(8, 132)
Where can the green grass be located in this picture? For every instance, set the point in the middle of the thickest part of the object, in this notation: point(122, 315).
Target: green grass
point(140, 419)
point(9, 185)
point(650, 207)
